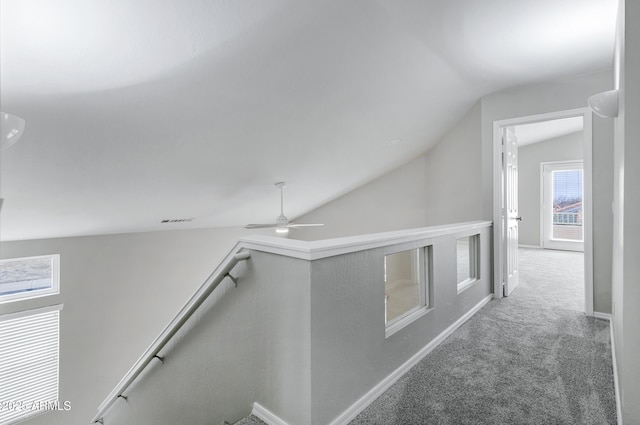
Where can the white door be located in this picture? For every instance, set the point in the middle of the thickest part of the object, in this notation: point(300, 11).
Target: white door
point(562, 205)
point(510, 209)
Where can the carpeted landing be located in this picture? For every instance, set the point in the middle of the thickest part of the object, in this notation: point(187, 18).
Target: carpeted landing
point(251, 420)
point(531, 358)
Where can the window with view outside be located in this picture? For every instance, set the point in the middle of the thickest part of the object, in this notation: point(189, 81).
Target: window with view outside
point(22, 278)
point(567, 205)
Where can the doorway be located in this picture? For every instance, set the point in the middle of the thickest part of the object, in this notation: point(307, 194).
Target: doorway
point(506, 226)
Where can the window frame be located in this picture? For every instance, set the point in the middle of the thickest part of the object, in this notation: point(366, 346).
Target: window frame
point(425, 278)
point(474, 260)
point(27, 295)
point(547, 169)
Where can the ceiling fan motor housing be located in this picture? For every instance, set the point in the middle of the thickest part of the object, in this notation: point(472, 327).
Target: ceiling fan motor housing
point(282, 220)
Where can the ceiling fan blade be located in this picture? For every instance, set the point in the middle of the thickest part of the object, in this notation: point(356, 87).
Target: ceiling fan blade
point(259, 226)
point(282, 223)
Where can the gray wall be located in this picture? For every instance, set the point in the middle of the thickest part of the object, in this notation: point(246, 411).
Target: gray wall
point(454, 174)
point(393, 202)
point(348, 321)
point(626, 243)
point(416, 194)
point(562, 148)
point(119, 292)
point(248, 344)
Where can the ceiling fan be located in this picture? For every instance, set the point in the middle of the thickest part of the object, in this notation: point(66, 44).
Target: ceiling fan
point(282, 224)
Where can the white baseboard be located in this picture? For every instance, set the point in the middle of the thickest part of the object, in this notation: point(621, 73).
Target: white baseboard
point(605, 316)
point(356, 408)
point(266, 416)
point(615, 373)
point(530, 246)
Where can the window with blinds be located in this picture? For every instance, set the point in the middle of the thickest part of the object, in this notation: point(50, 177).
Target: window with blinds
point(567, 189)
point(29, 351)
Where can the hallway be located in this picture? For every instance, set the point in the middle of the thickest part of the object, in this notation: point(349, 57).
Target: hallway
point(531, 358)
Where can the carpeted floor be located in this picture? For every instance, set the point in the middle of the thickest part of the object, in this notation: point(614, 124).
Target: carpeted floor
point(251, 420)
point(531, 358)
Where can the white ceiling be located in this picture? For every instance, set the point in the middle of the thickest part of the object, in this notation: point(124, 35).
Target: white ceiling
point(139, 111)
point(527, 134)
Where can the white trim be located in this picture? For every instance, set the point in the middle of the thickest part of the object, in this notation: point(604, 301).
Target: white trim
point(400, 282)
point(616, 384)
point(529, 246)
point(356, 408)
point(546, 209)
point(467, 283)
point(587, 157)
point(24, 313)
point(496, 159)
point(420, 259)
point(265, 415)
point(541, 204)
point(314, 250)
point(474, 260)
point(400, 322)
point(587, 114)
point(603, 316)
point(564, 161)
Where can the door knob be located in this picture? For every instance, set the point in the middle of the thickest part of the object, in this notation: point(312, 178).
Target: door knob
point(519, 218)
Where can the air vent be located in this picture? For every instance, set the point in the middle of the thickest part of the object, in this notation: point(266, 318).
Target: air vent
point(177, 220)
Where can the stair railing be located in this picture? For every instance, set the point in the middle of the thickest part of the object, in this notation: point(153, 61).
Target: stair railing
point(174, 326)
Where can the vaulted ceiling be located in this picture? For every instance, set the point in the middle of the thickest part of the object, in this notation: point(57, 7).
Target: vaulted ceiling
point(139, 111)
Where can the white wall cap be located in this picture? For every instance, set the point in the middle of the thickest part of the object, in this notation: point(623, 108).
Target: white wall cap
point(314, 250)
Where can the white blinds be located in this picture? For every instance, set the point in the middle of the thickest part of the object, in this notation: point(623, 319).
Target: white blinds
point(29, 350)
point(567, 186)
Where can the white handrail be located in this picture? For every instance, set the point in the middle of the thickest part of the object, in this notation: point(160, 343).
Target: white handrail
point(181, 318)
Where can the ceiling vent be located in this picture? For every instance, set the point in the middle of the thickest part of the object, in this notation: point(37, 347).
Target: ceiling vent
point(177, 220)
